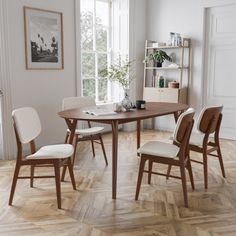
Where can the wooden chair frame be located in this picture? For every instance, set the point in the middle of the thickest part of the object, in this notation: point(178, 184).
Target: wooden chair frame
point(210, 124)
point(54, 162)
point(95, 138)
point(183, 160)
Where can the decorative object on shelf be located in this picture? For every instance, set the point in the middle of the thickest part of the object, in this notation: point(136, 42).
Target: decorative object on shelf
point(175, 39)
point(122, 73)
point(161, 82)
point(158, 57)
point(173, 84)
point(43, 39)
point(156, 45)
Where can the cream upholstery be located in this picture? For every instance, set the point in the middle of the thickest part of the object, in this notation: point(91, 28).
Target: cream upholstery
point(89, 131)
point(27, 127)
point(53, 151)
point(92, 133)
point(157, 148)
point(22, 118)
point(78, 102)
point(175, 153)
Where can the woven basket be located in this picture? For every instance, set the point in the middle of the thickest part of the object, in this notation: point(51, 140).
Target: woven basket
point(173, 84)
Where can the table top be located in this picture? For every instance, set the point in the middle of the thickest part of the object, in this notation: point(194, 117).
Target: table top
point(153, 109)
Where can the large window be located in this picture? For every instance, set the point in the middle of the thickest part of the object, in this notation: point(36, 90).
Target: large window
point(95, 46)
point(104, 39)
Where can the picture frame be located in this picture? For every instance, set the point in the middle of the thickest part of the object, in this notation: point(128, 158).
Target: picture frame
point(43, 39)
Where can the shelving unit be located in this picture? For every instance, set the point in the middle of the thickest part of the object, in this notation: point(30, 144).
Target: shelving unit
point(152, 93)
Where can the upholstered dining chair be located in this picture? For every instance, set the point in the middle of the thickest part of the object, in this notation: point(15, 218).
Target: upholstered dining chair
point(27, 128)
point(91, 133)
point(175, 153)
point(206, 140)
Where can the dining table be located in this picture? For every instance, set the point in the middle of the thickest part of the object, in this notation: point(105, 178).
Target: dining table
point(152, 110)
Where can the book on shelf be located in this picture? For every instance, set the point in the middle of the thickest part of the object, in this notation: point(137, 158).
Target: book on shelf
point(99, 112)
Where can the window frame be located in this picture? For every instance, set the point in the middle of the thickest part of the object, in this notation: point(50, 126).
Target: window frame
point(96, 52)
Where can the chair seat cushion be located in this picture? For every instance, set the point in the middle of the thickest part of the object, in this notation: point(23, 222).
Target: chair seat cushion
point(53, 152)
point(157, 148)
point(197, 139)
point(89, 131)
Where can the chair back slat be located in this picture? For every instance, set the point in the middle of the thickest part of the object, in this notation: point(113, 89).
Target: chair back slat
point(209, 118)
point(183, 123)
point(27, 124)
point(77, 102)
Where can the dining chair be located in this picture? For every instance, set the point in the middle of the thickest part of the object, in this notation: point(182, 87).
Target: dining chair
point(206, 140)
point(175, 153)
point(83, 134)
point(27, 127)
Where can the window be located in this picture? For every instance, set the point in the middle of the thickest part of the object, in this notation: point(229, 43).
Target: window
point(104, 38)
point(95, 46)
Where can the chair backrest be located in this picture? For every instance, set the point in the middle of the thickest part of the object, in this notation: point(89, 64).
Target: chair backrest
point(209, 118)
point(27, 124)
point(184, 125)
point(77, 102)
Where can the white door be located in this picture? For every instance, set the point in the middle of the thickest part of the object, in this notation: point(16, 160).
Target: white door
point(220, 70)
point(1, 136)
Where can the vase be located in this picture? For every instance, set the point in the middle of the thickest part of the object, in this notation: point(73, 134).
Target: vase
point(126, 102)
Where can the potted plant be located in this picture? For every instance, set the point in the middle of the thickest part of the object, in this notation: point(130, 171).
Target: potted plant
point(158, 57)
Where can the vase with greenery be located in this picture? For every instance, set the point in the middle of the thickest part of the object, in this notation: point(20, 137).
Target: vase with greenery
point(121, 73)
point(158, 57)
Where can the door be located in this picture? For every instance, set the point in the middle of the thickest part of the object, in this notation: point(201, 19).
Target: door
point(1, 136)
point(220, 70)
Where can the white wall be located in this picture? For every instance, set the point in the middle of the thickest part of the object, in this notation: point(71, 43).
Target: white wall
point(184, 17)
point(42, 89)
point(138, 33)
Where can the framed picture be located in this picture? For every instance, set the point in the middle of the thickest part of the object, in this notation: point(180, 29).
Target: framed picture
point(43, 39)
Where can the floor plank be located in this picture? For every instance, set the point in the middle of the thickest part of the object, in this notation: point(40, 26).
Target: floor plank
point(91, 211)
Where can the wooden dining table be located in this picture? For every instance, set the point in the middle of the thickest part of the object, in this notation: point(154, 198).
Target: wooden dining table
point(152, 109)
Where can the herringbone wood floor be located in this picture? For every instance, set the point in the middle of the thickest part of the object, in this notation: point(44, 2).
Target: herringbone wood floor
point(91, 211)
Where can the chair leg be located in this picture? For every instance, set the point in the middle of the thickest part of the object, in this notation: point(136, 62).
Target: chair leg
point(14, 181)
point(103, 149)
point(70, 168)
point(32, 176)
point(168, 171)
point(221, 161)
point(63, 173)
point(183, 177)
point(58, 183)
point(205, 169)
point(149, 171)
point(190, 173)
point(91, 136)
point(75, 146)
point(140, 176)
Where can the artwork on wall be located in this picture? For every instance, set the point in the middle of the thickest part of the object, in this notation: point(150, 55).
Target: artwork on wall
point(43, 39)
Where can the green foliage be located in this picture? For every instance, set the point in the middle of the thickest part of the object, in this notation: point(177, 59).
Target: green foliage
point(158, 56)
point(119, 72)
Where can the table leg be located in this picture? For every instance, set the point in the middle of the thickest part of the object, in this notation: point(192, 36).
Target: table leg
point(72, 126)
point(114, 157)
point(138, 133)
point(176, 116)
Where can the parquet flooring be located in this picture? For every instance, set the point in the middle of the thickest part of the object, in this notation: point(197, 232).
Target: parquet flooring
point(91, 211)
